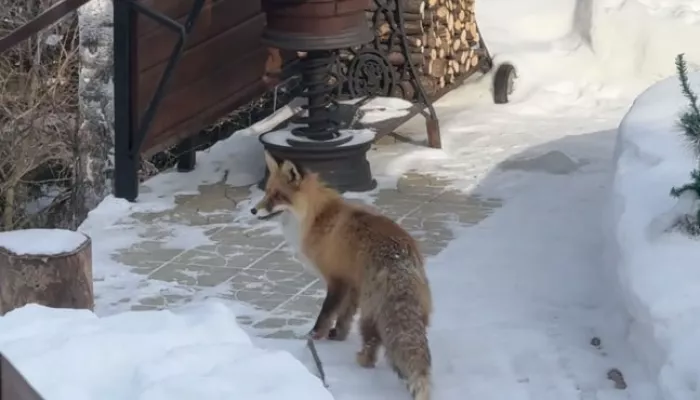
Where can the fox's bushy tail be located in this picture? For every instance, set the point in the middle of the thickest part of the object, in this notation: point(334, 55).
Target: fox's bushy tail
point(403, 323)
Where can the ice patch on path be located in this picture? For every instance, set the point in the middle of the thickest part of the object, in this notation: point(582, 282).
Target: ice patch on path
point(658, 272)
point(45, 242)
point(198, 353)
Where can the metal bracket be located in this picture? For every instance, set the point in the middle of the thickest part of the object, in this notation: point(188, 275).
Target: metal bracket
point(432, 122)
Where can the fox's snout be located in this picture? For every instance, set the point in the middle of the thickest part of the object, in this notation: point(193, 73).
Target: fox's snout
point(267, 207)
point(260, 206)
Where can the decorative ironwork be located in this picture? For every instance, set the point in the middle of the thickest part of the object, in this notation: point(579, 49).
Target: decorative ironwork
point(370, 74)
point(375, 69)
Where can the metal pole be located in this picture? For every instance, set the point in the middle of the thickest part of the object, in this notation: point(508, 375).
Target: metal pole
point(126, 157)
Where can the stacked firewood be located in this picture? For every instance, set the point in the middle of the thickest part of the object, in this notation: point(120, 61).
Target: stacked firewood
point(443, 42)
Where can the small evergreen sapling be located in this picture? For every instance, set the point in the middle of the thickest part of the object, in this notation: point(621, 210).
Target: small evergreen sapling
point(689, 123)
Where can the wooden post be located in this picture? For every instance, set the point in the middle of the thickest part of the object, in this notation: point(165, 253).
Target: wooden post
point(51, 267)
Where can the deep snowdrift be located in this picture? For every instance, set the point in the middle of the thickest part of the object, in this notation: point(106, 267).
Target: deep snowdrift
point(590, 44)
point(198, 353)
point(659, 272)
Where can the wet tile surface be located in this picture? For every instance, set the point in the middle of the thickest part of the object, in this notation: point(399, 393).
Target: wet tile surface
point(245, 260)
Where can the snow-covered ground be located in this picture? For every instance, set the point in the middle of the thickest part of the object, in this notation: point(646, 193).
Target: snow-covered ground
point(526, 304)
point(657, 268)
point(199, 352)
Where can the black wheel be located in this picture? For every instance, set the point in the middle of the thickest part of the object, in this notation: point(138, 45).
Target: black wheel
point(503, 83)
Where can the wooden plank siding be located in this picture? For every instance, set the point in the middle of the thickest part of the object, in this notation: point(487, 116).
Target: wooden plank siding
point(221, 67)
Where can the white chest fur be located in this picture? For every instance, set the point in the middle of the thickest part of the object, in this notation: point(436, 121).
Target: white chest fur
point(292, 235)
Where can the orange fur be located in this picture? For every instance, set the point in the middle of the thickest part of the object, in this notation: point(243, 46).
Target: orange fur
point(273, 67)
point(367, 260)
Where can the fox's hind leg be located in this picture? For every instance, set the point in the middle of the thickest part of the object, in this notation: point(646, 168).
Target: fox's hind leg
point(367, 356)
point(337, 290)
point(346, 313)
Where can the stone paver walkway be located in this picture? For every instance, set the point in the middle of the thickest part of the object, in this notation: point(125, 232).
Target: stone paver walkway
point(248, 260)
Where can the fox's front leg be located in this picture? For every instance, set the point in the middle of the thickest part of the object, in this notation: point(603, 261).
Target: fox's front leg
point(334, 296)
point(347, 311)
point(371, 340)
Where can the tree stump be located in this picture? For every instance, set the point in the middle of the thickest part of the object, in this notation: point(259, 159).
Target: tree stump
point(51, 267)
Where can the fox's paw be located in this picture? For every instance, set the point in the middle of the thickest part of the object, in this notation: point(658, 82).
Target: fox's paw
point(319, 334)
point(365, 359)
point(337, 334)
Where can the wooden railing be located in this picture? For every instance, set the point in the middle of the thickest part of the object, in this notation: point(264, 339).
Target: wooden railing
point(13, 386)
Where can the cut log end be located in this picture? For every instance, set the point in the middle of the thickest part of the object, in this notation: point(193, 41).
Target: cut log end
point(53, 269)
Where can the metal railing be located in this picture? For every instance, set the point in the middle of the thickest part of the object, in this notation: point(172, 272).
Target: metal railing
point(129, 134)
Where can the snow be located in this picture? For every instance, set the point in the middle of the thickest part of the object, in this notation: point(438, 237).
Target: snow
point(198, 352)
point(383, 108)
point(45, 242)
point(657, 268)
point(520, 296)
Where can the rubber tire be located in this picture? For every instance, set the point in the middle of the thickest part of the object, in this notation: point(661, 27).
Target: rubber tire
point(500, 82)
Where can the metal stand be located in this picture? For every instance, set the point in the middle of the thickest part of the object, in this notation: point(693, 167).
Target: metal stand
point(321, 145)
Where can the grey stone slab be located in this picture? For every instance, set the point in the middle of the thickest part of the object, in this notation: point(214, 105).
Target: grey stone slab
point(250, 263)
point(199, 275)
point(262, 237)
point(273, 281)
point(280, 260)
point(221, 255)
point(146, 255)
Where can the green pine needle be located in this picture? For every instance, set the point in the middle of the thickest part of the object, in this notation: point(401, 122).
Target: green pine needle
point(682, 69)
point(689, 122)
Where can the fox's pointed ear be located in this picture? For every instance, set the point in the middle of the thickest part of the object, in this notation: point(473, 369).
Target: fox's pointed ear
point(272, 165)
point(291, 172)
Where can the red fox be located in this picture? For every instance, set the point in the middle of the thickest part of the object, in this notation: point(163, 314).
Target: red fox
point(367, 260)
point(273, 67)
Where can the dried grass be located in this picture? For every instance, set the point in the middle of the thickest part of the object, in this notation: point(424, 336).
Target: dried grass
point(38, 120)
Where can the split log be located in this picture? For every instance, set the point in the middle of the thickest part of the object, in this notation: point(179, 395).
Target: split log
point(411, 28)
point(397, 47)
point(404, 90)
point(398, 58)
point(429, 85)
point(431, 54)
point(443, 42)
point(51, 267)
point(436, 68)
point(474, 60)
